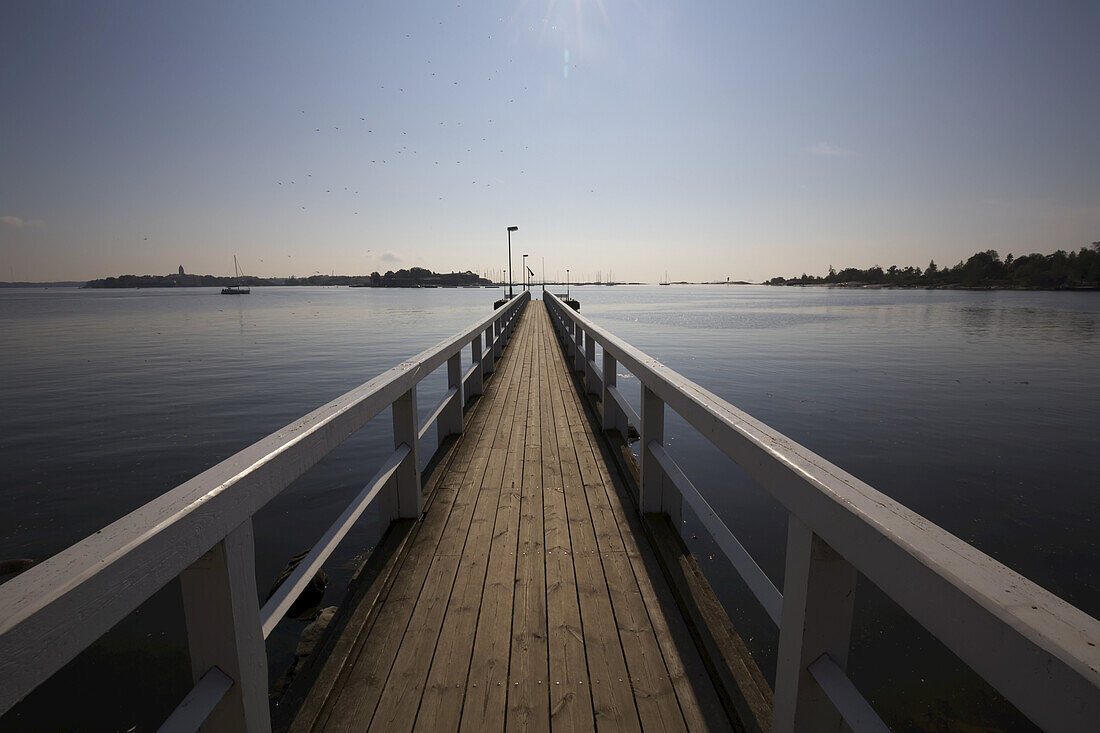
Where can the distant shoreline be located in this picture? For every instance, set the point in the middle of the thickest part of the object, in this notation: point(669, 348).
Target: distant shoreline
point(411, 278)
point(1061, 270)
point(1084, 288)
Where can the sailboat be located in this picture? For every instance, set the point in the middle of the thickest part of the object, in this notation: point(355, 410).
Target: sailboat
point(236, 289)
point(666, 279)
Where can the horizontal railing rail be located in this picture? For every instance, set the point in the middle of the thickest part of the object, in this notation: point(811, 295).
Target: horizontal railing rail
point(201, 532)
point(1039, 651)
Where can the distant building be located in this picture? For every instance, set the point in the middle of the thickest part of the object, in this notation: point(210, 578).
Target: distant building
point(181, 269)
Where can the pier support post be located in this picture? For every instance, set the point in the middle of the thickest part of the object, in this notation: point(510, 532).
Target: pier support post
point(477, 379)
point(404, 498)
point(487, 360)
point(450, 419)
point(659, 494)
point(818, 597)
point(224, 631)
point(613, 417)
point(589, 359)
point(578, 351)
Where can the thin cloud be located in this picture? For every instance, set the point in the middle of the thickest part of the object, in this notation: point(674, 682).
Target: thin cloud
point(390, 257)
point(14, 222)
point(828, 150)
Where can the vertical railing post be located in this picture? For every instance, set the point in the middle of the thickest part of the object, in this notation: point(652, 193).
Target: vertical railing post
point(221, 606)
point(653, 431)
point(477, 379)
point(659, 494)
point(613, 417)
point(488, 360)
point(589, 359)
point(401, 497)
point(497, 338)
point(450, 419)
point(578, 352)
point(818, 597)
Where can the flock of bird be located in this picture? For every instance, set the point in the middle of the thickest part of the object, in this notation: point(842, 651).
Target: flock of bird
point(387, 144)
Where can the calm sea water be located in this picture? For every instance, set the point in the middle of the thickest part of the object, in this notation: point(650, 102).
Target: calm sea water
point(978, 410)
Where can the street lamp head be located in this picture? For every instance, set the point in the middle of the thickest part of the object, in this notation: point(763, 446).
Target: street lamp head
point(513, 229)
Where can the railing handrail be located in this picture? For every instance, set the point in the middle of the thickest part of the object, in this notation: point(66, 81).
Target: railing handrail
point(59, 607)
point(1036, 648)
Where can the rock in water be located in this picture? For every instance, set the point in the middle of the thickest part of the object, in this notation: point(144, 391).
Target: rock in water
point(305, 605)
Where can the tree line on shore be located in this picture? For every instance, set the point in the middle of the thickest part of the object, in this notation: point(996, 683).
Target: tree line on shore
point(1057, 271)
point(412, 277)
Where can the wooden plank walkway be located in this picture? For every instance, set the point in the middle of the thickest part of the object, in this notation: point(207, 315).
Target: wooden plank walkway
point(527, 597)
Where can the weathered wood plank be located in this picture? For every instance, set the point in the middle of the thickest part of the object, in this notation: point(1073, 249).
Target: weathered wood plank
point(612, 697)
point(363, 683)
point(405, 688)
point(570, 687)
point(694, 690)
point(485, 706)
point(528, 689)
point(441, 706)
point(528, 603)
point(486, 691)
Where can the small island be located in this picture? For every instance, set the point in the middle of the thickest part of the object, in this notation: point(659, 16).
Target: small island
point(414, 277)
point(986, 270)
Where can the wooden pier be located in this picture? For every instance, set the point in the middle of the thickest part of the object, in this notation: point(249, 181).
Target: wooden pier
point(528, 598)
point(534, 577)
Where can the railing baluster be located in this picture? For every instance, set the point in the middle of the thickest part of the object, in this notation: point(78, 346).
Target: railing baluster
point(613, 417)
point(578, 353)
point(487, 361)
point(450, 420)
point(818, 597)
point(658, 493)
point(496, 338)
point(477, 381)
point(402, 497)
point(224, 631)
point(590, 375)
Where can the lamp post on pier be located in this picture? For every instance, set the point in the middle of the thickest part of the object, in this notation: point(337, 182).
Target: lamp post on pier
point(510, 230)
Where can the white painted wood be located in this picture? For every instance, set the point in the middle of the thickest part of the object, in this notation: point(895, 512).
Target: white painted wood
point(438, 410)
point(484, 355)
point(406, 499)
point(483, 361)
point(613, 416)
point(631, 417)
point(578, 353)
point(1039, 651)
point(591, 372)
point(194, 709)
point(276, 606)
point(755, 578)
point(652, 481)
point(818, 598)
point(450, 418)
point(223, 630)
point(852, 706)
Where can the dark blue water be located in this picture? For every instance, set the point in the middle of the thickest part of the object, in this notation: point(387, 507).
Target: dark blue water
point(976, 409)
point(979, 410)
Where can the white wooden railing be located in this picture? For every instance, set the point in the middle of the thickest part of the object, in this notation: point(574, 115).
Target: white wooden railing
point(201, 532)
point(1040, 652)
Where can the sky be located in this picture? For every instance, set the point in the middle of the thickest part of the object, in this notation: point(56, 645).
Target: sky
point(626, 137)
